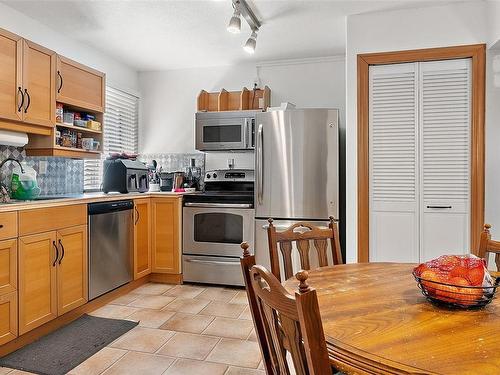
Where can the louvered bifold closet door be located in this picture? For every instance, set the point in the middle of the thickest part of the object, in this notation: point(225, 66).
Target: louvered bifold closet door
point(445, 117)
point(393, 163)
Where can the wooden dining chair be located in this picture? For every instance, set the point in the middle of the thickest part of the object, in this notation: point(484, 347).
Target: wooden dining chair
point(302, 233)
point(285, 323)
point(488, 246)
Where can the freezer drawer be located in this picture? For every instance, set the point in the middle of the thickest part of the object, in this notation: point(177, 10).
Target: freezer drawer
point(212, 270)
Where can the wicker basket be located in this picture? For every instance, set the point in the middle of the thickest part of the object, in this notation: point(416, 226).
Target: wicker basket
point(457, 296)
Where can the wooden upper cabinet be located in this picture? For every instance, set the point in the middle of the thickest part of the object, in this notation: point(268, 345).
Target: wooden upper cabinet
point(39, 65)
point(11, 89)
point(79, 85)
point(72, 279)
point(37, 280)
point(166, 226)
point(142, 238)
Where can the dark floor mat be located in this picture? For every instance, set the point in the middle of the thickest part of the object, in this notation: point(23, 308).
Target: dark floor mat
point(64, 349)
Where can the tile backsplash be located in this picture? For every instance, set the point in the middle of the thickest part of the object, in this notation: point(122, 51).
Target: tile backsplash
point(63, 176)
point(174, 162)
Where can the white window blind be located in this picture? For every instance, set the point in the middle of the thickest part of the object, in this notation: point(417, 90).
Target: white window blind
point(121, 120)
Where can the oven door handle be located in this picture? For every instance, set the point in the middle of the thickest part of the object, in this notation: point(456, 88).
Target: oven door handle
point(218, 205)
point(219, 262)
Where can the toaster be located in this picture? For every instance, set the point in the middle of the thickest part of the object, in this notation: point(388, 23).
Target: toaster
point(124, 176)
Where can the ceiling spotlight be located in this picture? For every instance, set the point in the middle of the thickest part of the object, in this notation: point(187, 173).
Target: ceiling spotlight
point(235, 22)
point(251, 42)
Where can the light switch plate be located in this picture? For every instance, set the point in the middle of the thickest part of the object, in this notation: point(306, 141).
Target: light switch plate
point(42, 167)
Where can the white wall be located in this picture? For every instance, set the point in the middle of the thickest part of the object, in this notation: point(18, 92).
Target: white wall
point(439, 26)
point(168, 102)
point(169, 97)
point(117, 73)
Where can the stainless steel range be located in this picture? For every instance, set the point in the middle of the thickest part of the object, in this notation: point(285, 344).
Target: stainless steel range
point(215, 223)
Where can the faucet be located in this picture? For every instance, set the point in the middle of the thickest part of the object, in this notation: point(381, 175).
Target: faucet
point(4, 194)
point(13, 160)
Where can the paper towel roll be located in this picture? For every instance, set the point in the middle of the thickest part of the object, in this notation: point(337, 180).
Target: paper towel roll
point(15, 139)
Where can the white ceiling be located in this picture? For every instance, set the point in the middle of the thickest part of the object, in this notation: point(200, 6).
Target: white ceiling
point(168, 34)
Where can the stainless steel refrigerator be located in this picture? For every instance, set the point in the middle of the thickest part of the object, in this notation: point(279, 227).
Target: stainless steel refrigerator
point(296, 170)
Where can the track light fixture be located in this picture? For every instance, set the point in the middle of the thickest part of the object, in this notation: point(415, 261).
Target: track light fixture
point(251, 43)
point(234, 25)
point(241, 8)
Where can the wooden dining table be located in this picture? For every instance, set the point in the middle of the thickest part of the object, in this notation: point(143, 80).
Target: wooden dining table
point(377, 321)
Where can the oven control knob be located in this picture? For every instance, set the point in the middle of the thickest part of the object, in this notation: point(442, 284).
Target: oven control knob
point(214, 175)
point(208, 175)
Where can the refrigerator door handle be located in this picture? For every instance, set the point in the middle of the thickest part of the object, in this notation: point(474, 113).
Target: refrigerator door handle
point(260, 156)
point(245, 132)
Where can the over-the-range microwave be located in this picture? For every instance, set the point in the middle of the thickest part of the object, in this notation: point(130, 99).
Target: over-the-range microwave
point(221, 131)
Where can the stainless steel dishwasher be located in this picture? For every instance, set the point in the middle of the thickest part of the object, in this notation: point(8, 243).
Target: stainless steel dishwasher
point(111, 246)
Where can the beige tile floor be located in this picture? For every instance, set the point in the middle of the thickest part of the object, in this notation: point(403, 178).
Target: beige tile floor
point(183, 329)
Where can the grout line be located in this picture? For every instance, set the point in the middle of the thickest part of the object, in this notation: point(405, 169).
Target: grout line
point(165, 343)
point(112, 363)
point(170, 365)
point(210, 352)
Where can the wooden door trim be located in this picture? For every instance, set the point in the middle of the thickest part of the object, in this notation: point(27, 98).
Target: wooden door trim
point(477, 53)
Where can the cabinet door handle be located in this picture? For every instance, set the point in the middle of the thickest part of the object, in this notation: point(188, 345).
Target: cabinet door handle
point(1, 226)
point(62, 248)
point(61, 80)
point(20, 92)
point(137, 215)
point(438, 206)
point(57, 253)
point(29, 100)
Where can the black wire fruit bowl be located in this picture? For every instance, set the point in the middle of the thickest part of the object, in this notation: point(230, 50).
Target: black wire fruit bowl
point(457, 296)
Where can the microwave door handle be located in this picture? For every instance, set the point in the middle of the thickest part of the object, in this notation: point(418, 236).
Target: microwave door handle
point(260, 161)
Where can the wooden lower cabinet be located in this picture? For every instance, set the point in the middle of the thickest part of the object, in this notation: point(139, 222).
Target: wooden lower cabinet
point(166, 223)
point(37, 280)
point(72, 275)
point(142, 238)
point(52, 275)
point(8, 317)
point(8, 266)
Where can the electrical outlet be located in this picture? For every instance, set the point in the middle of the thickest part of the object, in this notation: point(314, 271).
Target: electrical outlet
point(42, 167)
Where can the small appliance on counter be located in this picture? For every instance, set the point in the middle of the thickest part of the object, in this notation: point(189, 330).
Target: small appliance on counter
point(166, 181)
point(125, 176)
point(192, 176)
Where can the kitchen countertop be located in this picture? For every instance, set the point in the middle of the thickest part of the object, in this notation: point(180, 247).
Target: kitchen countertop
point(81, 199)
